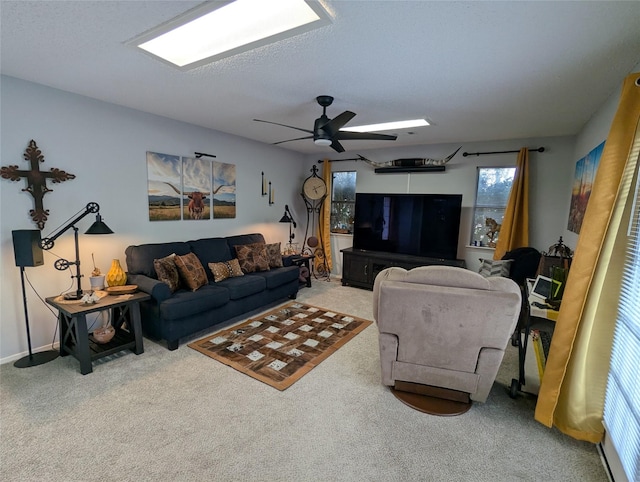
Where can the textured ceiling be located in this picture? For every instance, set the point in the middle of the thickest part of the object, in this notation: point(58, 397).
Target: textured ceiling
point(478, 70)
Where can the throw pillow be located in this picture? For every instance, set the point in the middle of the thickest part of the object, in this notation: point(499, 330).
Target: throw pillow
point(493, 267)
point(226, 269)
point(167, 271)
point(191, 271)
point(273, 253)
point(253, 257)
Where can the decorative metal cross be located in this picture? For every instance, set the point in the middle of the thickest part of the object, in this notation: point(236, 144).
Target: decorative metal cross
point(36, 181)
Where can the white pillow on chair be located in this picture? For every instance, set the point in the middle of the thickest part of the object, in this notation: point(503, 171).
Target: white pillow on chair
point(495, 267)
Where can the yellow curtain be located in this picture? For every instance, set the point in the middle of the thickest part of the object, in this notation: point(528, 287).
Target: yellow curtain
point(324, 225)
point(572, 392)
point(515, 224)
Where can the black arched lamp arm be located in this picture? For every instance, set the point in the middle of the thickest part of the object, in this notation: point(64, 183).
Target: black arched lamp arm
point(288, 218)
point(47, 243)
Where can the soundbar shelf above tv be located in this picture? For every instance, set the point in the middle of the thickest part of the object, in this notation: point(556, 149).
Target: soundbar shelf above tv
point(360, 267)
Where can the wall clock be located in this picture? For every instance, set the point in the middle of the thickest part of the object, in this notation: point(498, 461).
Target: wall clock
point(314, 188)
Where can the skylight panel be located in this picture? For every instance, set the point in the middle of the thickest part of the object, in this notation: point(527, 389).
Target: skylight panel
point(387, 126)
point(214, 31)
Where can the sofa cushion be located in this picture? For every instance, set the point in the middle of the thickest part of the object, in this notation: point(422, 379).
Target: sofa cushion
point(211, 250)
point(140, 258)
point(241, 287)
point(279, 276)
point(185, 303)
point(167, 271)
point(226, 269)
point(274, 255)
point(252, 257)
point(192, 274)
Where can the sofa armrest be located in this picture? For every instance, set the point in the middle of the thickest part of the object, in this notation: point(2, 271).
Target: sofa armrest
point(158, 290)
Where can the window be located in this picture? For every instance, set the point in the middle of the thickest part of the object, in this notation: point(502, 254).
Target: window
point(621, 415)
point(492, 194)
point(343, 201)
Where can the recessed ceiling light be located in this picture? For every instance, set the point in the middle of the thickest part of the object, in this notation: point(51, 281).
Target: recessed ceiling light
point(387, 126)
point(216, 30)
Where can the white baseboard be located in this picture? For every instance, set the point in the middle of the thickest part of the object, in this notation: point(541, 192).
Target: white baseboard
point(610, 460)
point(17, 356)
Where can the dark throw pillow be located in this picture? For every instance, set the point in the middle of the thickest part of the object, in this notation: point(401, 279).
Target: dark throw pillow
point(274, 255)
point(167, 271)
point(191, 271)
point(253, 257)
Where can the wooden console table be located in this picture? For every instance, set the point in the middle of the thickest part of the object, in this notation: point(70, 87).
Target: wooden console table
point(360, 267)
point(75, 339)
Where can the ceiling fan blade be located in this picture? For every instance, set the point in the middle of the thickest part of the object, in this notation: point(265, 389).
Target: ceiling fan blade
point(336, 146)
point(367, 136)
point(284, 125)
point(289, 140)
point(335, 124)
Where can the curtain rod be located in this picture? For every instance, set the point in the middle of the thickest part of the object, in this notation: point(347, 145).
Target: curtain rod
point(465, 154)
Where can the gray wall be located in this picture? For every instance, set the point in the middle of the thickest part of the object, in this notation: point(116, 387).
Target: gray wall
point(593, 133)
point(104, 145)
point(549, 196)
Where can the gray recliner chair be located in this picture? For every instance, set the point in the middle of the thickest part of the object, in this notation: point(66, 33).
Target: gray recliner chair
point(443, 331)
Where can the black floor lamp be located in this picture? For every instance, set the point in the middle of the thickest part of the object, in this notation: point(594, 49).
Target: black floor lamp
point(27, 251)
point(98, 227)
point(27, 248)
point(288, 218)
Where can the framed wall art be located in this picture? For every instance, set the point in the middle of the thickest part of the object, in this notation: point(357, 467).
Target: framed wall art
point(582, 183)
point(196, 189)
point(164, 177)
point(224, 190)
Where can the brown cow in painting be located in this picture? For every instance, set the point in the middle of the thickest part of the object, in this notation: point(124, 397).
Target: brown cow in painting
point(196, 201)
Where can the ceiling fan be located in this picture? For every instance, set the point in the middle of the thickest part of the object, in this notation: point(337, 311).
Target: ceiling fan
point(326, 132)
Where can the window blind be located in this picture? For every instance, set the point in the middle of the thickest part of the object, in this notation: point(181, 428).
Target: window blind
point(622, 402)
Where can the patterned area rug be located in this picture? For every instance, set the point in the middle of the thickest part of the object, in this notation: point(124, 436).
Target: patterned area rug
point(283, 345)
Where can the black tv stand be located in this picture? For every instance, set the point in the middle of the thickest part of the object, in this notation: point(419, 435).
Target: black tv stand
point(360, 267)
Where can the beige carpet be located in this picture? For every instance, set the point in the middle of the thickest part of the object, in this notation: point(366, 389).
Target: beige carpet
point(282, 346)
point(178, 416)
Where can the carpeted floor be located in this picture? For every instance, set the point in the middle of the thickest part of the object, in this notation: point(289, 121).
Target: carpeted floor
point(176, 416)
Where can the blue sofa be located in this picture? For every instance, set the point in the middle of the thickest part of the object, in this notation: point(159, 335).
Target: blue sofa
point(171, 316)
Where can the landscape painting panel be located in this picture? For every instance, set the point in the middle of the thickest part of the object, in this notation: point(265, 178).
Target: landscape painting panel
point(224, 190)
point(196, 182)
point(163, 175)
point(582, 183)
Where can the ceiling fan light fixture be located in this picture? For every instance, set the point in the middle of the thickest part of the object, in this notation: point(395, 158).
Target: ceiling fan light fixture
point(388, 126)
point(322, 141)
point(217, 30)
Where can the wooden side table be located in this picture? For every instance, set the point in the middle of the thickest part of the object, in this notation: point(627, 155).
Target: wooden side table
point(75, 339)
point(300, 260)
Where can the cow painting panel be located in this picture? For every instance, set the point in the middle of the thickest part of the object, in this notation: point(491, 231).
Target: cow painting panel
point(164, 171)
point(196, 189)
point(224, 190)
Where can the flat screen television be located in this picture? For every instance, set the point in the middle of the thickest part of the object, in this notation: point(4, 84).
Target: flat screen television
point(417, 224)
